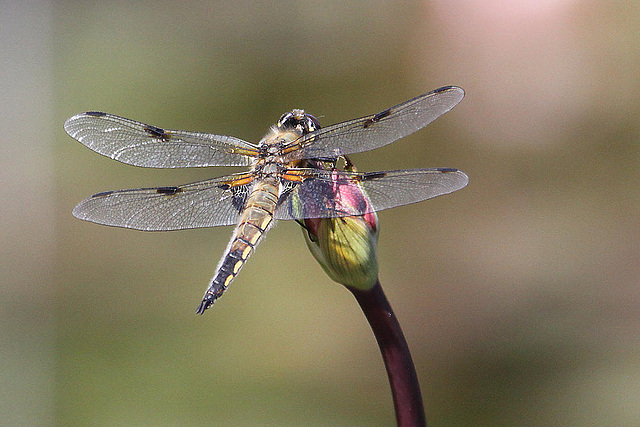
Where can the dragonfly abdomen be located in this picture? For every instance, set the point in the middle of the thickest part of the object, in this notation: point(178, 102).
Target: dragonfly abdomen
point(253, 223)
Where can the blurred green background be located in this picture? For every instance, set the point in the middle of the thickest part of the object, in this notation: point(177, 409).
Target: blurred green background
point(519, 295)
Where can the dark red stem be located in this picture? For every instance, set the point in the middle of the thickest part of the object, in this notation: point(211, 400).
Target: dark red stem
point(407, 399)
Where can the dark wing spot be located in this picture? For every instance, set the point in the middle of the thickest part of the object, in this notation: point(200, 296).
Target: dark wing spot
point(448, 170)
point(376, 118)
point(157, 132)
point(169, 191)
point(381, 115)
point(224, 187)
point(443, 89)
point(104, 193)
point(372, 175)
point(95, 113)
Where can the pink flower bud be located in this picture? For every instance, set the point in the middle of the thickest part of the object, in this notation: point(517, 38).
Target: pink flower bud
point(346, 247)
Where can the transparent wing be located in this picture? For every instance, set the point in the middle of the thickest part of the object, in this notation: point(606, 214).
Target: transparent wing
point(201, 204)
point(144, 145)
point(377, 130)
point(326, 194)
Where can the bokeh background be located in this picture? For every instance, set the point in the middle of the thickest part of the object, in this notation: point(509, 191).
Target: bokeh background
point(519, 295)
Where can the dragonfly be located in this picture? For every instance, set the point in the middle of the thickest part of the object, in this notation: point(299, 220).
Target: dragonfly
point(281, 183)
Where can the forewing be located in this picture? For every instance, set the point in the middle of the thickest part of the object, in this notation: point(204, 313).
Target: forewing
point(326, 194)
point(377, 130)
point(201, 204)
point(145, 145)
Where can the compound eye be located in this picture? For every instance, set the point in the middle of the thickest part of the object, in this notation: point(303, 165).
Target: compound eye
point(299, 120)
point(311, 123)
point(287, 120)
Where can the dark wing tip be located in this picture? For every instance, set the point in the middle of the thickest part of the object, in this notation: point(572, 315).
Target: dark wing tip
point(68, 123)
point(102, 194)
point(449, 88)
point(458, 172)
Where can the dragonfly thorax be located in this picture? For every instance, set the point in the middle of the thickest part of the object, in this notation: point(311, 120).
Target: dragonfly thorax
point(270, 168)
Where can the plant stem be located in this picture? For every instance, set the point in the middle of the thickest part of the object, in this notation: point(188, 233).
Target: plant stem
point(407, 399)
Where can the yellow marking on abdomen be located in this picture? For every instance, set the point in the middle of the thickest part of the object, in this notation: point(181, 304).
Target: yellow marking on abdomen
point(238, 266)
point(252, 224)
point(228, 280)
point(241, 247)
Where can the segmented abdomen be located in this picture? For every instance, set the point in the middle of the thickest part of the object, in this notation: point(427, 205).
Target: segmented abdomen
point(254, 221)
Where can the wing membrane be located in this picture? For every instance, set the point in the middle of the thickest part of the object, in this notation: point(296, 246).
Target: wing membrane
point(144, 145)
point(377, 130)
point(327, 194)
point(201, 204)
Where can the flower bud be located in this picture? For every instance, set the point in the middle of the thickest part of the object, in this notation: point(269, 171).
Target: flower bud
point(346, 247)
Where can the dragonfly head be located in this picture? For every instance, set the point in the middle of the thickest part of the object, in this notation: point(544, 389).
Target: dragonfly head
point(298, 120)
